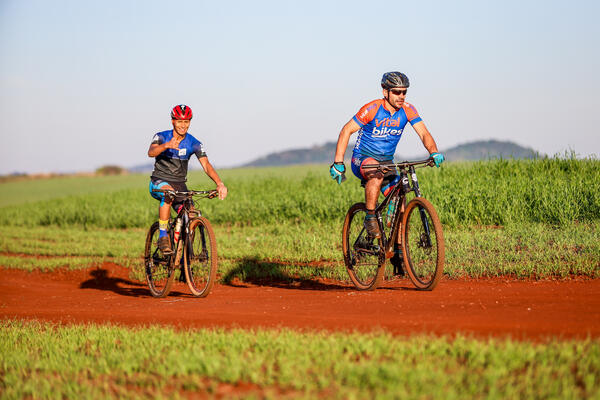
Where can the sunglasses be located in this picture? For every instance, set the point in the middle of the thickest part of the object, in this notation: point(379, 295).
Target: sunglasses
point(398, 92)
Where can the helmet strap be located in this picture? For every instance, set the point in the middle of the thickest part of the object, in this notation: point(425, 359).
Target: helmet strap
point(389, 102)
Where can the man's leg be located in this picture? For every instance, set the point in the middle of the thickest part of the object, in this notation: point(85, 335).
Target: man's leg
point(372, 187)
point(164, 212)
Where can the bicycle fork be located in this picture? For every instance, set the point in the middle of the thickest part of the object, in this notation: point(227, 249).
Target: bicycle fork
point(417, 190)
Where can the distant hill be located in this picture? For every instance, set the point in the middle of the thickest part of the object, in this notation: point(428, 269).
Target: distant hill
point(313, 155)
point(485, 149)
point(323, 154)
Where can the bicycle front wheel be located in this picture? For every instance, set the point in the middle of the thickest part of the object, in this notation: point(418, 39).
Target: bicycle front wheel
point(363, 255)
point(422, 244)
point(200, 257)
point(158, 267)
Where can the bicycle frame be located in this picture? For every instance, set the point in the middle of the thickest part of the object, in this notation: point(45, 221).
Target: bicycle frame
point(183, 214)
point(401, 189)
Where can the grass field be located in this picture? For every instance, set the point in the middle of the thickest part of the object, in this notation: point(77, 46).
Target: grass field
point(551, 191)
point(52, 361)
point(521, 218)
point(524, 219)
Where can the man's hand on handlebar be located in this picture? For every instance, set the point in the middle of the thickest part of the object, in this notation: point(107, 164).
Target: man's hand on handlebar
point(337, 170)
point(222, 190)
point(437, 158)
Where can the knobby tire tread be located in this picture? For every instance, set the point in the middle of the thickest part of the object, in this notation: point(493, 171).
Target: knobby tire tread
point(412, 206)
point(147, 254)
point(204, 291)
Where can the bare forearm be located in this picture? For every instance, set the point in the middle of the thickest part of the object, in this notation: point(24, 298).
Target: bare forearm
point(429, 144)
point(214, 176)
point(212, 173)
point(340, 150)
point(426, 137)
point(156, 149)
point(343, 140)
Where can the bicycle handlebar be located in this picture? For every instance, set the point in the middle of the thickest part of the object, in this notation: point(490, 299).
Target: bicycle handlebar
point(401, 165)
point(204, 193)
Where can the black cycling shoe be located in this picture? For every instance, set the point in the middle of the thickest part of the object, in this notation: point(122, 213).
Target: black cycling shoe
point(164, 245)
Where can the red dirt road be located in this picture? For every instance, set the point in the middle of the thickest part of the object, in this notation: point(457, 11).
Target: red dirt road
point(490, 307)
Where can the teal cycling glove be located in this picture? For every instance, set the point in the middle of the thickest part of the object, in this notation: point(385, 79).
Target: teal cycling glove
point(438, 158)
point(337, 170)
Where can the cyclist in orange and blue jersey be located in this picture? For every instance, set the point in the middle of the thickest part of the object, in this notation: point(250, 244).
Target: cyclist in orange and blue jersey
point(380, 124)
point(173, 149)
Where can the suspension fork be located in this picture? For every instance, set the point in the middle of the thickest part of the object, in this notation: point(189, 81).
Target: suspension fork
point(417, 190)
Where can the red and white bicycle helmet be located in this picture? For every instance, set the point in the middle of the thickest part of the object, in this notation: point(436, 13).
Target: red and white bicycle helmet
point(181, 111)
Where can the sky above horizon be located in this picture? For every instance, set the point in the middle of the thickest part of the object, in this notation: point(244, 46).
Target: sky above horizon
point(87, 84)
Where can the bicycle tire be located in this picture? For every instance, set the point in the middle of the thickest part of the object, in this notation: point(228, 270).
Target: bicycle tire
point(200, 257)
point(364, 256)
point(423, 245)
point(158, 267)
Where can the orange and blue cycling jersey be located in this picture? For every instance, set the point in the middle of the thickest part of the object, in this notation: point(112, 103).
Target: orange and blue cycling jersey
point(378, 137)
point(381, 130)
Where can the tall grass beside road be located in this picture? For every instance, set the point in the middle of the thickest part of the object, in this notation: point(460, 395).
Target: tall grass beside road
point(43, 360)
point(553, 191)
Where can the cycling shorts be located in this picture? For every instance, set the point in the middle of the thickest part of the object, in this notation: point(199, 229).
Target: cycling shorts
point(159, 184)
point(390, 178)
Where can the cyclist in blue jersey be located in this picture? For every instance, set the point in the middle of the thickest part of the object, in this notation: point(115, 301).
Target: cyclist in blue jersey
point(379, 124)
point(173, 149)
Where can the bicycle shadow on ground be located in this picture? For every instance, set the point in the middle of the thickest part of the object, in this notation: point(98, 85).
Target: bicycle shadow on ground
point(253, 271)
point(101, 280)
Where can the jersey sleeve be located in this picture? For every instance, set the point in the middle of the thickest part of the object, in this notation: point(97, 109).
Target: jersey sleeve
point(366, 113)
point(158, 139)
point(198, 149)
point(411, 114)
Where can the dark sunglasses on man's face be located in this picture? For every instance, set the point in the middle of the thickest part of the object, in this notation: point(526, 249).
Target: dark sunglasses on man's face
point(398, 92)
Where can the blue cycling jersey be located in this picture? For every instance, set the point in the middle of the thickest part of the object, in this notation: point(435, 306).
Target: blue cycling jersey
point(172, 164)
point(381, 130)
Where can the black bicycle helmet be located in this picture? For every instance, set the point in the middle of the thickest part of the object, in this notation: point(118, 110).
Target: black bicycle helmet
point(394, 79)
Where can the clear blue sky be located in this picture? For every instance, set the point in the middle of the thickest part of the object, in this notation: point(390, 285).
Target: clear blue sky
point(85, 84)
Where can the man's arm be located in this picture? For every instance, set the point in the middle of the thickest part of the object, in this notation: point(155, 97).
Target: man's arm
point(212, 174)
point(342, 143)
point(426, 137)
point(155, 148)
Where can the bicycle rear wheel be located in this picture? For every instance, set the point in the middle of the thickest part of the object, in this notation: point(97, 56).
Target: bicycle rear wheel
point(364, 256)
point(158, 267)
point(200, 257)
point(422, 244)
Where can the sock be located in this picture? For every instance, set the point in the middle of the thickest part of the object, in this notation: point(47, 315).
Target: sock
point(162, 227)
point(370, 213)
point(397, 250)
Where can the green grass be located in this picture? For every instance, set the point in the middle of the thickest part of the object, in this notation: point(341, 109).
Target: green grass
point(19, 191)
point(306, 251)
point(553, 191)
point(536, 218)
point(52, 361)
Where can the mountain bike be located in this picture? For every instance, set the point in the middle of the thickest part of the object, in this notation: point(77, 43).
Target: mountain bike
point(193, 244)
point(416, 223)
